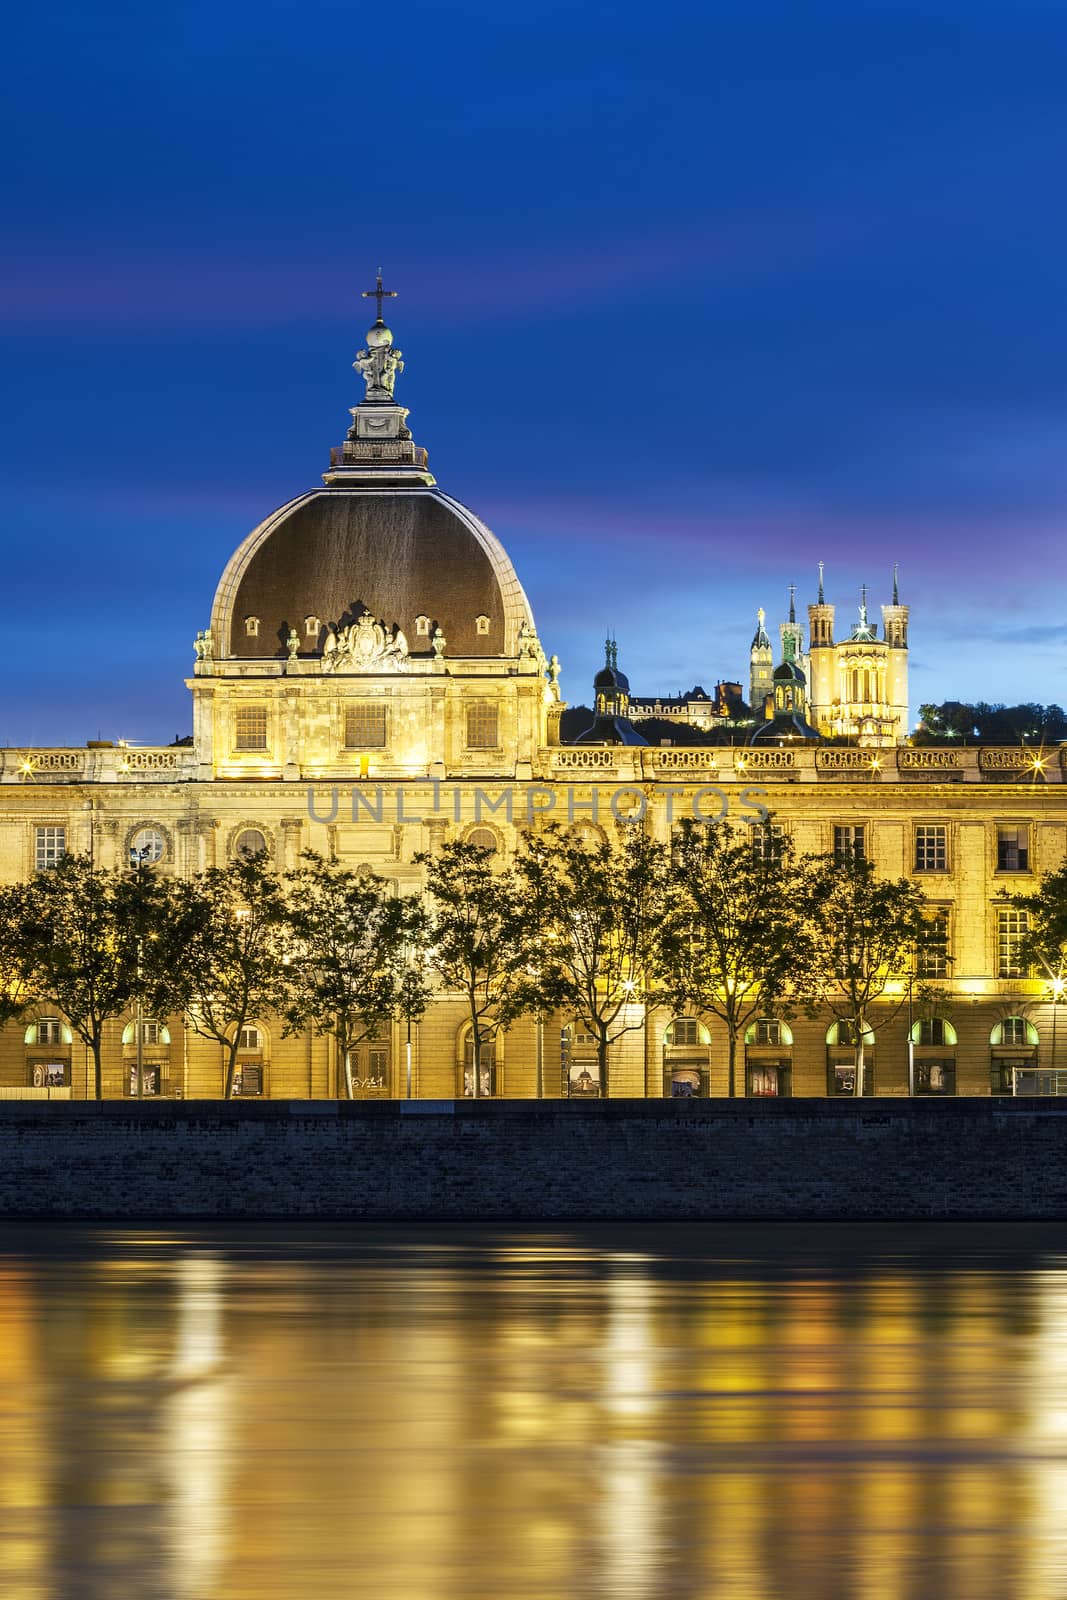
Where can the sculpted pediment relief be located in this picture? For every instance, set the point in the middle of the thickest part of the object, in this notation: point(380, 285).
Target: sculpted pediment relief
point(366, 645)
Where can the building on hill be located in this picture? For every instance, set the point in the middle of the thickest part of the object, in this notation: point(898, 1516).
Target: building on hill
point(371, 684)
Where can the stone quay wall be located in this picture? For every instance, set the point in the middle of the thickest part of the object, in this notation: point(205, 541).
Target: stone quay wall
point(552, 1160)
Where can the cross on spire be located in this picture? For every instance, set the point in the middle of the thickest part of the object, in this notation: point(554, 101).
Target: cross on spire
point(379, 294)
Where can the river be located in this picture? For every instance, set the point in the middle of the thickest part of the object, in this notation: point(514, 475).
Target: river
point(633, 1412)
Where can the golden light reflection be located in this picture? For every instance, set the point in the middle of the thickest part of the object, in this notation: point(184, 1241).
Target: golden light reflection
point(532, 1414)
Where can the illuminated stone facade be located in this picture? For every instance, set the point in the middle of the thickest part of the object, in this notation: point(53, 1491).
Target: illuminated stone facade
point(372, 684)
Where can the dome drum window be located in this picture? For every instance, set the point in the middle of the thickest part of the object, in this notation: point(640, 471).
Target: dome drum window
point(312, 627)
point(422, 627)
point(251, 627)
point(481, 625)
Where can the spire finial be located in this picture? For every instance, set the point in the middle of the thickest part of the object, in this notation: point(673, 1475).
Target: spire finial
point(792, 602)
point(821, 597)
point(863, 604)
point(379, 294)
point(761, 616)
point(896, 593)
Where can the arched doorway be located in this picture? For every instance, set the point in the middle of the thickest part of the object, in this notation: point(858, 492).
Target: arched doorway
point(686, 1059)
point(1013, 1066)
point(768, 1059)
point(933, 1047)
point(841, 1039)
point(487, 1081)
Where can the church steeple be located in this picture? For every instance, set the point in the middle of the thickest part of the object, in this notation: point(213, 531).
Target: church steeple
point(760, 666)
point(378, 448)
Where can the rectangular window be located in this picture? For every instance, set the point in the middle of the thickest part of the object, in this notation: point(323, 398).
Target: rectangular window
point(1012, 926)
point(49, 1031)
point(149, 1032)
point(365, 727)
point(767, 843)
point(1013, 849)
point(768, 1031)
point(1013, 1031)
point(931, 847)
point(250, 728)
point(482, 725)
point(685, 1030)
point(50, 846)
point(933, 958)
point(849, 842)
point(50, 1074)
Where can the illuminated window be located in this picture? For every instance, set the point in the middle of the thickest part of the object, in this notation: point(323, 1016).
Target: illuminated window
point(1013, 849)
point(251, 1039)
point(422, 627)
point(934, 1030)
point(1012, 927)
point(767, 842)
point(150, 1033)
point(252, 627)
point(685, 1030)
point(250, 728)
point(147, 845)
point(50, 846)
point(1015, 1031)
point(931, 847)
point(487, 1074)
point(312, 626)
point(482, 725)
point(249, 842)
point(49, 1031)
point(849, 843)
point(481, 624)
point(768, 1031)
point(365, 726)
point(932, 960)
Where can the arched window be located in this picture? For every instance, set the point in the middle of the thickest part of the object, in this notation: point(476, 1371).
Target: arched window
point(252, 627)
point(933, 1031)
point(147, 846)
point(487, 1080)
point(48, 1030)
point(422, 627)
point(154, 1056)
point(249, 842)
point(483, 839)
point(154, 1035)
point(769, 1031)
point(312, 625)
point(1014, 1031)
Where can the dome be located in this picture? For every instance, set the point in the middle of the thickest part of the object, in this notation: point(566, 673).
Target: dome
point(399, 552)
point(611, 678)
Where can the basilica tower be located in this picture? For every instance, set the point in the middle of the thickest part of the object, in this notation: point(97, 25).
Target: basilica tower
point(760, 667)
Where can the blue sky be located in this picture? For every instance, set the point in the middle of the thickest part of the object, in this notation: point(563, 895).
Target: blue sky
point(692, 297)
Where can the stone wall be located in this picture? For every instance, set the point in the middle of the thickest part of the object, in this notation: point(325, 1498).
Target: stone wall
point(550, 1159)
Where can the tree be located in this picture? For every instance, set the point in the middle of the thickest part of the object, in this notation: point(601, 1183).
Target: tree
point(232, 970)
point(1044, 944)
point(478, 939)
point(736, 942)
point(81, 930)
point(597, 911)
point(16, 974)
point(350, 963)
point(870, 933)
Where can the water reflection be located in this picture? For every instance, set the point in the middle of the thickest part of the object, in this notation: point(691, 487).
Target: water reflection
point(810, 1413)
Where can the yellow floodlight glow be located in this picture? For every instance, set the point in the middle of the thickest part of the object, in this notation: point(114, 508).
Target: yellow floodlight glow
point(1057, 987)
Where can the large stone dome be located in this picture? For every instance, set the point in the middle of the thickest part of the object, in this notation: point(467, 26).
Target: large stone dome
point(401, 553)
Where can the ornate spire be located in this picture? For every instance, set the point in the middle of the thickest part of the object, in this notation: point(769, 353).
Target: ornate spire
point(792, 602)
point(896, 593)
point(863, 605)
point(379, 363)
point(378, 447)
point(821, 595)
